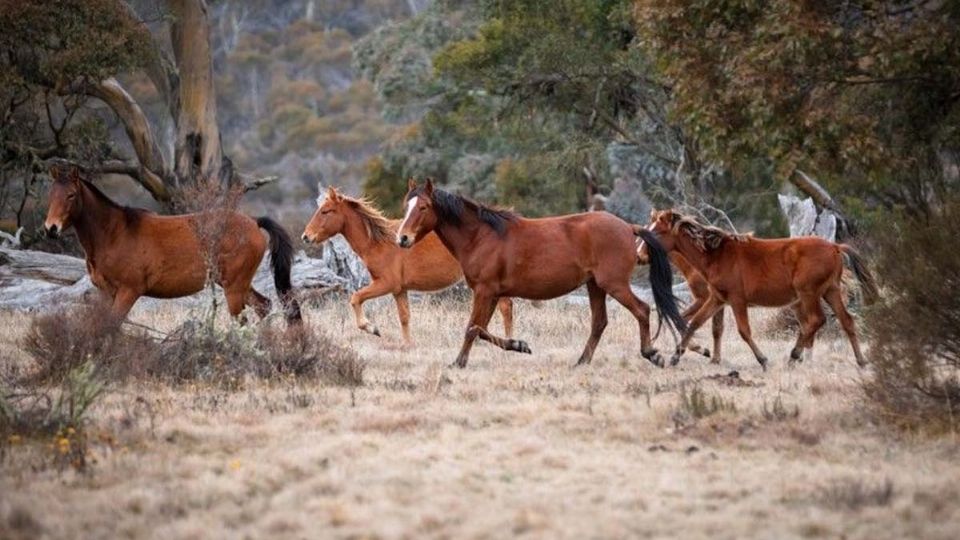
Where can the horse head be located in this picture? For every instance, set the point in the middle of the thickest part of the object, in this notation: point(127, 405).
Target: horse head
point(65, 201)
point(328, 220)
point(420, 217)
point(661, 224)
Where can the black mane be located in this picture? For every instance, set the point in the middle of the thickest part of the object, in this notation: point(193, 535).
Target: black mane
point(450, 208)
point(131, 213)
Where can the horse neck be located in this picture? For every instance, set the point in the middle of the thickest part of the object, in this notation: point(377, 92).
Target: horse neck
point(682, 264)
point(693, 257)
point(356, 233)
point(460, 238)
point(97, 225)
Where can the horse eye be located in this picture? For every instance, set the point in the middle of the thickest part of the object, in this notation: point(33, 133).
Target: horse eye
point(422, 208)
point(325, 212)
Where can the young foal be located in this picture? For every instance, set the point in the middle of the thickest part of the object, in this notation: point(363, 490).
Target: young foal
point(505, 255)
point(427, 267)
point(132, 252)
point(744, 271)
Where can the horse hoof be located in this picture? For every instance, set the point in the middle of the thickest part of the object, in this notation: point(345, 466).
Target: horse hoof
point(706, 352)
point(375, 331)
point(715, 361)
point(763, 363)
point(675, 360)
point(519, 346)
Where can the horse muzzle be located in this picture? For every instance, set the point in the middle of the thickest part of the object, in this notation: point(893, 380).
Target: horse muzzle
point(53, 231)
point(306, 239)
point(404, 240)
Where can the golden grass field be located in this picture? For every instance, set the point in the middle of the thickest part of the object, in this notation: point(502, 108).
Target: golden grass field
point(512, 445)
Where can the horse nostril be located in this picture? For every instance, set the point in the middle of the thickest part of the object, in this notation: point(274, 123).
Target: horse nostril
point(52, 231)
point(305, 238)
point(403, 241)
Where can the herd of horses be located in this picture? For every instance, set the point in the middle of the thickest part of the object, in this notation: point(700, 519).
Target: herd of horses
point(444, 237)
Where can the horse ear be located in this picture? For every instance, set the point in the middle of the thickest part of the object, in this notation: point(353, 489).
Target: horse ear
point(332, 194)
point(428, 187)
point(411, 184)
point(74, 175)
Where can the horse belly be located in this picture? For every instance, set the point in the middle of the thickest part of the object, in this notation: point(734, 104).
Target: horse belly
point(176, 283)
point(547, 283)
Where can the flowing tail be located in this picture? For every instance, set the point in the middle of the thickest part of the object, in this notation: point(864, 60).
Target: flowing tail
point(661, 281)
point(859, 266)
point(281, 259)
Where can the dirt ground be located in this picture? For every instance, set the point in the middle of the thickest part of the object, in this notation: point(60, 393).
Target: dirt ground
point(512, 445)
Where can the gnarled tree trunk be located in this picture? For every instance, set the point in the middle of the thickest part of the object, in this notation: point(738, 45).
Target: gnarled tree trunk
point(198, 152)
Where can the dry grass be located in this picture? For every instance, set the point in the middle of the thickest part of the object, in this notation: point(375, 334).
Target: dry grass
point(511, 445)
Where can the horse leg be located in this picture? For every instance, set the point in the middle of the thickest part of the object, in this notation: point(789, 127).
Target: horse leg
point(260, 303)
point(235, 302)
point(641, 312)
point(373, 290)
point(505, 305)
point(834, 297)
point(811, 318)
point(743, 325)
point(687, 314)
point(123, 301)
point(598, 315)
point(706, 311)
point(403, 311)
point(480, 315)
point(717, 335)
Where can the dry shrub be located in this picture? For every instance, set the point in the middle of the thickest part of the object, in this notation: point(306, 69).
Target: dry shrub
point(698, 403)
point(854, 494)
point(56, 414)
point(63, 341)
point(915, 328)
point(199, 350)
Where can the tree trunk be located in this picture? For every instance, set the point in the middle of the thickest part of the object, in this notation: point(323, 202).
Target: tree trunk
point(152, 173)
point(198, 153)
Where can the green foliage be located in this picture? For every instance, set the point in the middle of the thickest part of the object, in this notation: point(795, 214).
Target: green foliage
point(77, 39)
point(862, 93)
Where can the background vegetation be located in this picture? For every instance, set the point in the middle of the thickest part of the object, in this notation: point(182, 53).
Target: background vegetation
point(712, 106)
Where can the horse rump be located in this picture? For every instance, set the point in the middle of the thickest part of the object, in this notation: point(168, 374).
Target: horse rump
point(857, 263)
point(281, 261)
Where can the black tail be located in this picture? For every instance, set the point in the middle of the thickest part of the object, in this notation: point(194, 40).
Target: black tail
point(281, 259)
point(870, 292)
point(661, 281)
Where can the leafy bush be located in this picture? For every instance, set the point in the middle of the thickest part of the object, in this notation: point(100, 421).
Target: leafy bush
point(915, 328)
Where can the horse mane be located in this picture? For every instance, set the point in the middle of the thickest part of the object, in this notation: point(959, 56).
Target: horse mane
point(451, 207)
point(379, 227)
point(131, 214)
point(705, 237)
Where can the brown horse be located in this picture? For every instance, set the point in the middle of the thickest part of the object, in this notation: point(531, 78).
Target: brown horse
point(744, 271)
point(132, 252)
point(427, 267)
point(505, 255)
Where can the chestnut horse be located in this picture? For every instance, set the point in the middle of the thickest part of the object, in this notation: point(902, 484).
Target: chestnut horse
point(427, 267)
point(744, 271)
point(505, 255)
point(132, 252)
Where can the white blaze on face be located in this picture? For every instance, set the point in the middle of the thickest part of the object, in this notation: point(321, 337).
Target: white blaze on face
point(411, 204)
